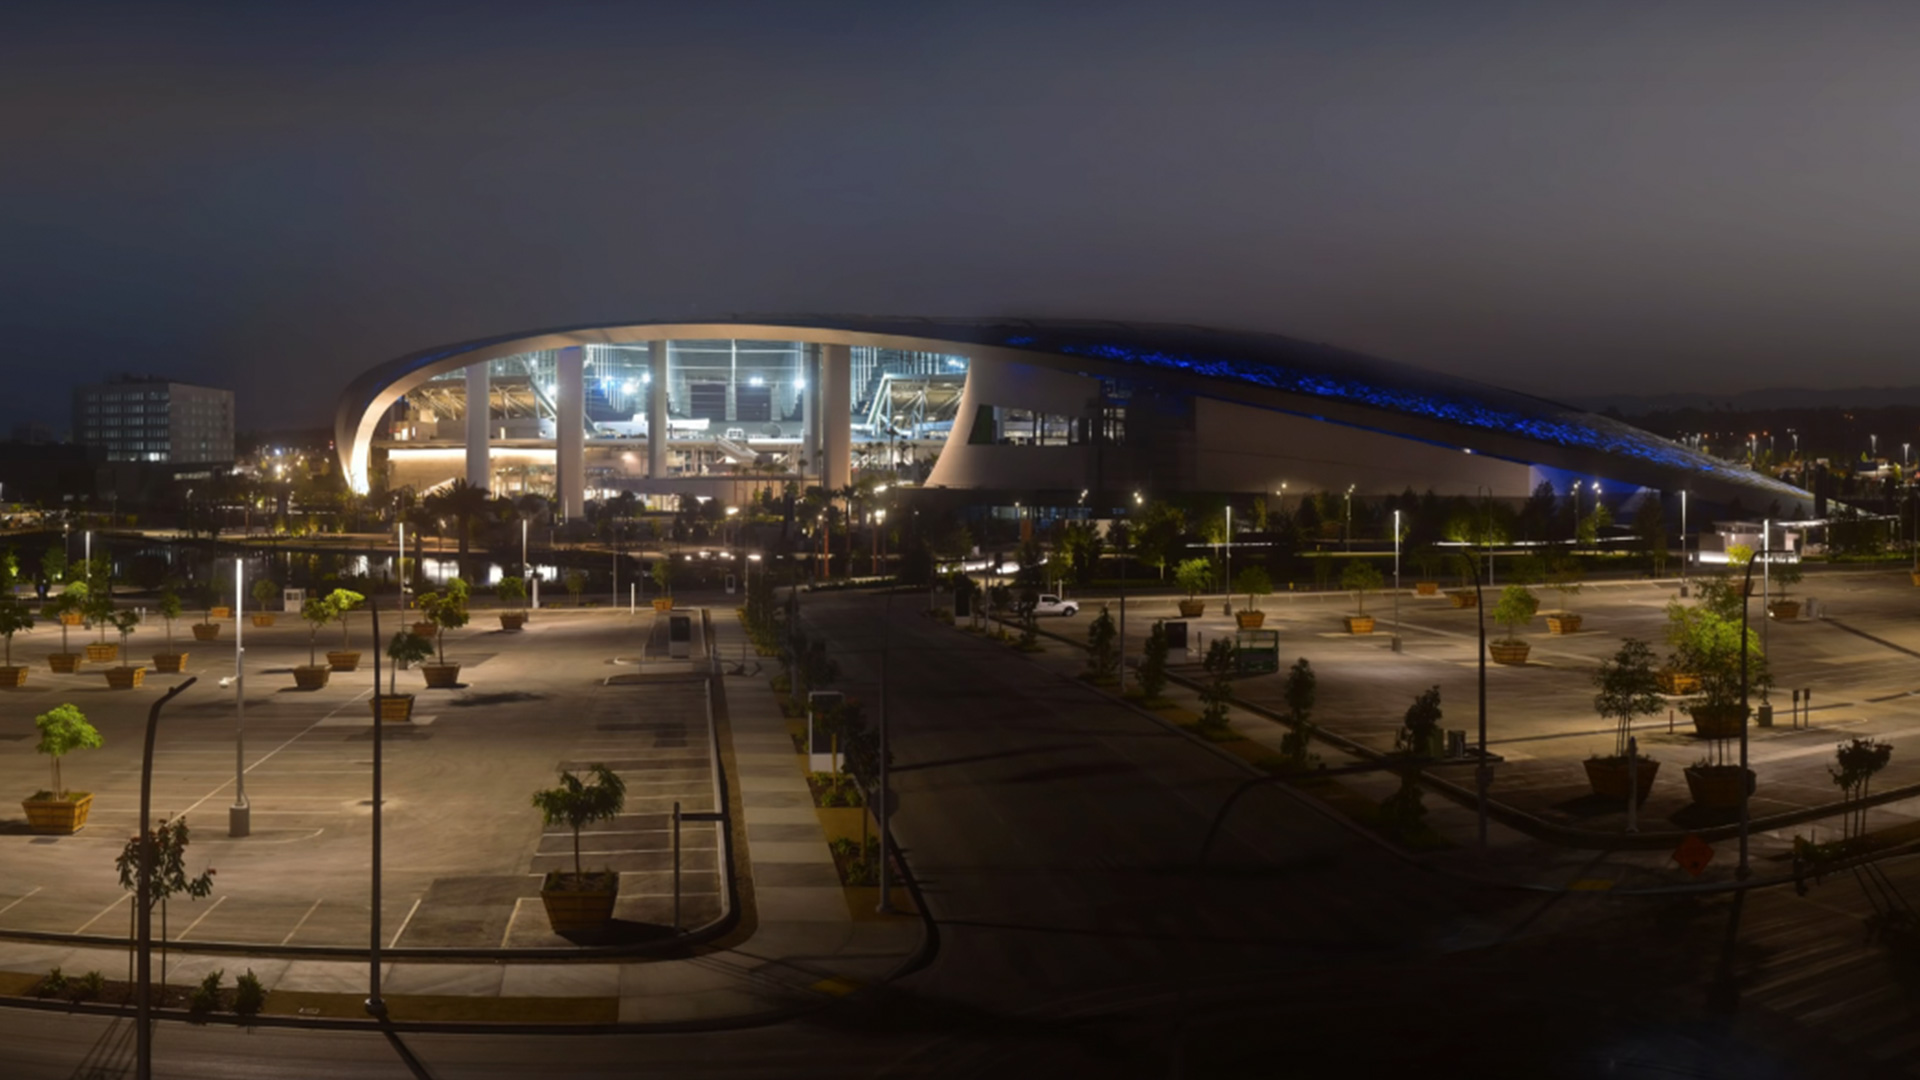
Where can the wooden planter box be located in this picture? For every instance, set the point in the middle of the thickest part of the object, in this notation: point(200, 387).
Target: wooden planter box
point(424, 629)
point(98, 653)
point(13, 676)
point(441, 676)
point(512, 620)
point(394, 709)
point(1359, 624)
point(74, 618)
point(61, 817)
point(663, 603)
point(1717, 721)
point(311, 678)
point(1608, 777)
point(1916, 577)
point(1426, 588)
point(343, 660)
point(1192, 609)
point(1250, 620)
point(169, 663)
point(64, 663)
point(1563, 624)
point(1718, 786)
point(125, 678)
point(576, 911)
point(262, 620)
point(1678, 682)
point(220, 613)
point(1784, 609)
point(206, 631)
point(1508, 652)
point(1464, 598)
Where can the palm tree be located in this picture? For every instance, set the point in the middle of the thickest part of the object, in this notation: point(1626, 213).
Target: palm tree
point(466, 504)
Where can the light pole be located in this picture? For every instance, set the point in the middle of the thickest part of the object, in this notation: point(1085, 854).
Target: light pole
point(885, 907)
point(1683, 536)
point(1349, 518)
point(400, 571)
point(1229, 583)
point(1396, 581)
point(240, 814)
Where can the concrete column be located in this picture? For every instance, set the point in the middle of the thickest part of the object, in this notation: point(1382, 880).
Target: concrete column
point(570, 431)
point(809, 425)
point(657, 411)
point(479, 469)
point(836, 415)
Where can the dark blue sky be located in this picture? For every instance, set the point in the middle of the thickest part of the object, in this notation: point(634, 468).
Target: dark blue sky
point(1563, 198)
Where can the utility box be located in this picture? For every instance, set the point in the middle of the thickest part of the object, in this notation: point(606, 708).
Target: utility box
point(680, 636)
point(293, 599)
point(821, 755)
point(1176, 634)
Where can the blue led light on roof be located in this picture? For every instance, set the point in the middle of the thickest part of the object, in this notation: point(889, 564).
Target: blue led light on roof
point(1542, 424)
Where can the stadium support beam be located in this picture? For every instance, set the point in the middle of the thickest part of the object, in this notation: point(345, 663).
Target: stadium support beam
point(657, 411)
point(570, 431)
point(836, 416)
point(479, 469)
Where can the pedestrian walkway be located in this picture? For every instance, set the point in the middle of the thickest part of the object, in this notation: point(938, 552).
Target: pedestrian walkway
point(800, 940)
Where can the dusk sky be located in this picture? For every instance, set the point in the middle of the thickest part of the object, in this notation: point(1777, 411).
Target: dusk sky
point(1561, 198)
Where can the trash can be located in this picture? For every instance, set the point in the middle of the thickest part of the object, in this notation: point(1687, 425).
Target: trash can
point(1176, 634)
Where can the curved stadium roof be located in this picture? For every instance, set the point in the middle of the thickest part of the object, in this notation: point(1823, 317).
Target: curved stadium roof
point(1270, 362)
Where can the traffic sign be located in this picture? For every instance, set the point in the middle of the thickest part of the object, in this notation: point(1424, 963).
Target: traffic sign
point(1693, 854)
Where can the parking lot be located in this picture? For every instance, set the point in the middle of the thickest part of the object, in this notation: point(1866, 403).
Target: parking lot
point(465, 851)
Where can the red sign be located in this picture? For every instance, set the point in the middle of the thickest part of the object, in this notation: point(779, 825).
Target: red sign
point(1693, 854)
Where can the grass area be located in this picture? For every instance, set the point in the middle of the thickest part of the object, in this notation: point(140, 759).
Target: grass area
point(1852, 846)
point(1359, 808)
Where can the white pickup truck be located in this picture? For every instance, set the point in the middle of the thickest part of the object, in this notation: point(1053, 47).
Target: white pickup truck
point(1053, 605)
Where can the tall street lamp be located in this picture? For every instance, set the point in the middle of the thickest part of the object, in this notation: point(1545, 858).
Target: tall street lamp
point(240, 814)
point(1349, 517)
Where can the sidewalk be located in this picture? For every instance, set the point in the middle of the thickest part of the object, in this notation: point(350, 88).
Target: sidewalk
point(801, 939)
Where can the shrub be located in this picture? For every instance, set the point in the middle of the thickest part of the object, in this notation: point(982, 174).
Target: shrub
point(249, 997)
point(206, 996)
point(1153, 665)
point(1420, 733)
point(53, 984)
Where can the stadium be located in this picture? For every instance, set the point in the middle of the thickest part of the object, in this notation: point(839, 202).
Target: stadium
point(1049, 413)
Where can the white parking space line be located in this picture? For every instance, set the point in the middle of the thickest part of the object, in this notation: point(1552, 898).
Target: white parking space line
point(17, 903)
point(103, 914)
point(270, 754)
point(301, 923)
point(217, 901)
point(403, 924)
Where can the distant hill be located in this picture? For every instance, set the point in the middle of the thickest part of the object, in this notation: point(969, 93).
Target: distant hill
point(1864, 397)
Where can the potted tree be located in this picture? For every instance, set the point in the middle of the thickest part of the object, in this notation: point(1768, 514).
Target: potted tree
point(204, 597)
point(1785, 575)
point(1624, 687)
point(1427, 562)
point(99, 612)
point(446, 609)
point(1255, 582)
point(1707, 645)
point(318, 613)
point(1464, 596)
point(63, 729)
point(580, 902)
point(406, 648)
point(662, 577)
point(15, 616)
point(1564, 576)
point(169, 662)
point(1360, 578)
point(1515, 609)
point(512, 592)
point(342, 602)
point(66, 608)
point(264, 590)
point(1193, 576)
point(125, 676)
